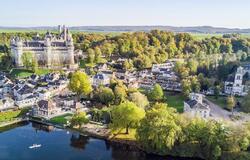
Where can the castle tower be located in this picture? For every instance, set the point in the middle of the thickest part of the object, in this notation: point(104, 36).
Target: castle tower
point(59, 29)
point(70, 47)
point(47, 50)
point(17, 51)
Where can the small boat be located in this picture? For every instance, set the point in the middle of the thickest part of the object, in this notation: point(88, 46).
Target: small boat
point(35, 146)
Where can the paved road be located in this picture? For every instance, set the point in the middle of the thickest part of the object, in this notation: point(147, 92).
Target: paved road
point(217, 112)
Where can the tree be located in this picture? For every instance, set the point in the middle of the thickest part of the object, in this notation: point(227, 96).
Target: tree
point(120, 92)
point(231, 103)
point(156, 94)
point(79, 119)
point(159, 129)
point(80, 83)
point(27, 59)
point(91, 55)
point(139, 99)
point(126, 115)
point(186, 87)
point(98, 54)
point(217, 91)
point(34, 64)
point(246, 103)
point(106, 95)
point(201, 132)
point(193, 65)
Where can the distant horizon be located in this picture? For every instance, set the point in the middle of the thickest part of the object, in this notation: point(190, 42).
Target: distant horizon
point(71, 26)
point(179, 13)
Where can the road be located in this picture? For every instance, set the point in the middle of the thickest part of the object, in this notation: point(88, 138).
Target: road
point(217, 112)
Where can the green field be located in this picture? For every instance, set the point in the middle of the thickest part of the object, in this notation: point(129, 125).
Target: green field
point(10, 115)
point(61, 119)
point(175, 100)
point(23, 73)
point(222, 100)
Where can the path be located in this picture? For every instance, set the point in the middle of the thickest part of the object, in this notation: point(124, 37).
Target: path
point(217, 112)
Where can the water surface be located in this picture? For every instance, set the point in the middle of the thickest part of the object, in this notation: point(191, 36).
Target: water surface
point(60, 144)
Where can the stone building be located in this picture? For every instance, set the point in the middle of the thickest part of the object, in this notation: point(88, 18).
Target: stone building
point(53, 50)
point(196, 107)
point(236, 85)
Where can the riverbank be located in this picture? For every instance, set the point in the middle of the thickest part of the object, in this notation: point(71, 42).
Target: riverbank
point(15, 121)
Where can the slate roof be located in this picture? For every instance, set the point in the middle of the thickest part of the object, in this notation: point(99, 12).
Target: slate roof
point(45, 104)
point(25, 90)
point(194, 104)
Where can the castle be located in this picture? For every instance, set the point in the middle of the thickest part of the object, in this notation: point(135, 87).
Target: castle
point(51, 51)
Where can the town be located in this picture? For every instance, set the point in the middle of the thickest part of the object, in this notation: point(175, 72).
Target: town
point(56, 80)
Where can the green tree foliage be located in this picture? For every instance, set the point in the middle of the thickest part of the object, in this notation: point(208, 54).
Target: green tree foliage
point(91, 55)
point(193, 65)
point(79, 119)
point(28, 59)
point(217, 89)
point(80, 83)
point(105, 95)
point(186, 87)
point(211, 137)
point(246, 103)
point(231, 103)
point(156, 94)
point(159, 129)
point(139, 99)
point(34, 64)
point(126, 115)
point(120, 92)
point(5, 61)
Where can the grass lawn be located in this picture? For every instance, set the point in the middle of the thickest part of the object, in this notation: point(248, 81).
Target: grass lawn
point(10, 115)
point(61, 119)
point(23, 73)
point(121, 135)
point(222, 100)
point(175, 100)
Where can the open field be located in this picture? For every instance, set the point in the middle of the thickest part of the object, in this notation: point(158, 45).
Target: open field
point(175, 100)
point(23, 73)
point(121, 134)
point(61, 119)
point(222, 100)
point(10, 115)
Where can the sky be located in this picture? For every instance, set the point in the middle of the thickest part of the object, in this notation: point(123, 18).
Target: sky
point(217, 13)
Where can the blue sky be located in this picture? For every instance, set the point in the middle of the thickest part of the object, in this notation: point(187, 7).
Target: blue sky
point(219, 13)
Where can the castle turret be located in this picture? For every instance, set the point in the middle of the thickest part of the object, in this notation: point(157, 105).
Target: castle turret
point(47, 50)
point(17, 51)
point(59, 29)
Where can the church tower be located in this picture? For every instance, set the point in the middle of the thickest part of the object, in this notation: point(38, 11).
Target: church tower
point(238, 86)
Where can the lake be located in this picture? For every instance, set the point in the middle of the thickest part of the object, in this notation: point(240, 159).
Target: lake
point(63, 145)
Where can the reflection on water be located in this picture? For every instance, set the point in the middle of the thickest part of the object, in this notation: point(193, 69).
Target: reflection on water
point(79, 141)
point(58, 144)
point(40, 127)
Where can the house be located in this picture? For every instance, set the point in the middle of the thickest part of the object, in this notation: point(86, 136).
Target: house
point(196, 107)
point(23, 92)
point(161, 68)
point(6, 103)
point(101, 79)
point(28, 101)
point(45, 108)
point(235, 85)
point(121, 74)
